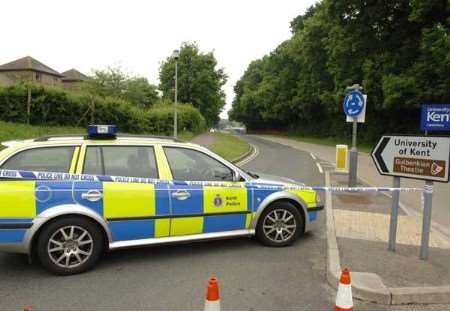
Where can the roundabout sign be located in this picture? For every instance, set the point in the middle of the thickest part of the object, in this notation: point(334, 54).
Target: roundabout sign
point(354, 103)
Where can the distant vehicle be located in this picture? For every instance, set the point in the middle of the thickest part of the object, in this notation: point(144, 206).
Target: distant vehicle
point(63, 199)
point(212, 130)
point(236, 130)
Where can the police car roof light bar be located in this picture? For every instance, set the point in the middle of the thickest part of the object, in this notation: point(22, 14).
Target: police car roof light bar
point(102, 131)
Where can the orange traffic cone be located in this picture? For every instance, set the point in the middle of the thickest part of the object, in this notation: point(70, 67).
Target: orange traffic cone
point(212, 302)
point(344, 299)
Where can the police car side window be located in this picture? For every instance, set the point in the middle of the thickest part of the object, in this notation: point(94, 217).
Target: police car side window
point(47, 159)
point(132, 161)
point(192, 165)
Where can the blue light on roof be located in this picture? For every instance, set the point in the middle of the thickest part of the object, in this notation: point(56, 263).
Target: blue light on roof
point(102, 131)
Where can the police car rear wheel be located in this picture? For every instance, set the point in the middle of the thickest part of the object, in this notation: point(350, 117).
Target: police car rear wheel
point(70, 245)
point(280, 225)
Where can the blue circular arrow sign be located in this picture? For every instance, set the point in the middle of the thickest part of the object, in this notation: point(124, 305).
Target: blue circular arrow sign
point(353, 103)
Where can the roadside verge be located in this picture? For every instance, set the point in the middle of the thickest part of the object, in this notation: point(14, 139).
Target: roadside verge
point(228, 146)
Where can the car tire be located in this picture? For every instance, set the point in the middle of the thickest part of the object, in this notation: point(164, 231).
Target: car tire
point(280, 224)
point(70, 245)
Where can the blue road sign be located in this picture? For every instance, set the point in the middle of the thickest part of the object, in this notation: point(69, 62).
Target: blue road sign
point(435, 117)
point(353, 103)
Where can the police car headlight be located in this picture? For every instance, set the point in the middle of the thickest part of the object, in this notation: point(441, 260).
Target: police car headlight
point(318, 199)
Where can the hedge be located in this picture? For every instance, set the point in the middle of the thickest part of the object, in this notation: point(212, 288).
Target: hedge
point(54, 106)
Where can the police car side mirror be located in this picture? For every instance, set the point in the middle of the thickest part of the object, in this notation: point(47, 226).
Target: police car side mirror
point(224, 174)
point(236, 176)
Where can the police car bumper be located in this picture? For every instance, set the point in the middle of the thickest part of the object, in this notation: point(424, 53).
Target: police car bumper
point(13, 236)
point(313, 213)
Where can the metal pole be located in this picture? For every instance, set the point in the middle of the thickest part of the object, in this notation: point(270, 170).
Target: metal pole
point(175, 102)
point(29, 105)
point(426, 225)
point(394, 215)
point(352, 176)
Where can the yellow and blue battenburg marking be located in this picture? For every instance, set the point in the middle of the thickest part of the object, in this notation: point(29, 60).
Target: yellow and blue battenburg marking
point(135, 208)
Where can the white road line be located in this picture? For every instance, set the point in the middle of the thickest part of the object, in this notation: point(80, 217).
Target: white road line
point(313, 156)
point(250, 158)
point(319, 167)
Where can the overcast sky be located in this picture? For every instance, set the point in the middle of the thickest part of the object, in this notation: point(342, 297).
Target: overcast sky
point(138, 35)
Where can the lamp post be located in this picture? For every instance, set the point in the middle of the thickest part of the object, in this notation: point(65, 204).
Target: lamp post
point(175, 55)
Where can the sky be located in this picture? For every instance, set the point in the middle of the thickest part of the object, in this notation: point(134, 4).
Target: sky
point(138, 35)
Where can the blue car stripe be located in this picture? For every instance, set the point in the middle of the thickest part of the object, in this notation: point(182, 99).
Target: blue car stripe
point(12, 235)
point(124, 230)
point(224, 223)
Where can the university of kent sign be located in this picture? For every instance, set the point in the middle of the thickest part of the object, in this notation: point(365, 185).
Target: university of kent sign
point(435, 117)
point(418, 157)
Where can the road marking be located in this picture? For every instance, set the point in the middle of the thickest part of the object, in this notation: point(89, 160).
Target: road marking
point(319, 167)
point(250, 158)
point(313, 156)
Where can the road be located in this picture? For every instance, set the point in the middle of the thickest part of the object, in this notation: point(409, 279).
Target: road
point(252, 277)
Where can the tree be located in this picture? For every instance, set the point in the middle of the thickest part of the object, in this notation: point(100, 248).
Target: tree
point(140, 92)
point(199, 81)
point(113, 82)
point(399, 50)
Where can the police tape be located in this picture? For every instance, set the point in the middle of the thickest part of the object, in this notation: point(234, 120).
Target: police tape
point(51, 176)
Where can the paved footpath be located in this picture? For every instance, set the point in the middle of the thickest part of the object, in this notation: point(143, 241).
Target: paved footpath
point(204, 139)
point(362, 226)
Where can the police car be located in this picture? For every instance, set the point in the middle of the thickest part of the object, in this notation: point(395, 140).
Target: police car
point(68, 199)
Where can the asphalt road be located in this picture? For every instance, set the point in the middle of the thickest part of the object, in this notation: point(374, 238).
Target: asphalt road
point(251, 277)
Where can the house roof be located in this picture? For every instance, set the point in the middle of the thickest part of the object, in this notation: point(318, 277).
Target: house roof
point(74, 75)
point(29, 63)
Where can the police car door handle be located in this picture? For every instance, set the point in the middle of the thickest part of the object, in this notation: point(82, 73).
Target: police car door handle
point(181, 195)
point(92, 195)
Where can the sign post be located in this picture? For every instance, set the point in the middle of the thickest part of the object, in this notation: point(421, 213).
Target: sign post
point(426, 224)
point(394, 215)
point(354, 105)
point(417, 157)
point(433, 117)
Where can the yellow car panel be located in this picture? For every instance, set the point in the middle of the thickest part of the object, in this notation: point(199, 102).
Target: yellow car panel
point(224, 199)
point(17, 199)
point(128, 200)
point(186, 225)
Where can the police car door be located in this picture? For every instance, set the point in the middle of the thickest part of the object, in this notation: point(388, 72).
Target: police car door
point(204, 198)
point(134, 210)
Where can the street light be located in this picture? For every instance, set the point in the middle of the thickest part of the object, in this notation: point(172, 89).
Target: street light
point(175, 55)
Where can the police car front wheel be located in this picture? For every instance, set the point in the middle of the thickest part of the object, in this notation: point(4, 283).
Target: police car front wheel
point(70, 245)
point(280, 224)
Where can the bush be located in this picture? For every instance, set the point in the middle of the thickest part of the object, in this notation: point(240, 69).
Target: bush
point(54, 106)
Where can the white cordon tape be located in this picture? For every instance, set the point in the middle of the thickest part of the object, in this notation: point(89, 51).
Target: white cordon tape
point(31, 175)
point(428, 189)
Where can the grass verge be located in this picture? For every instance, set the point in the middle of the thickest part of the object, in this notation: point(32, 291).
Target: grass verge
point(229, 146)
point(185, 136)
point(13, 131)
